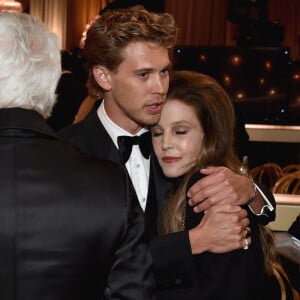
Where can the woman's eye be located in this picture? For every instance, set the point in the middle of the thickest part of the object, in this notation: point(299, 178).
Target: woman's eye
point(156, 133)
point(181, 132)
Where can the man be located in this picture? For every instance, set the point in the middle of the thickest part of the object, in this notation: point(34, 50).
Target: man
point(127, 53)
point(71, 227)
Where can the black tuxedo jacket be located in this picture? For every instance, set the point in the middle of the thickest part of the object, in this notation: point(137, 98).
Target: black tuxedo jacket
point(173, 259)
point(70, 227)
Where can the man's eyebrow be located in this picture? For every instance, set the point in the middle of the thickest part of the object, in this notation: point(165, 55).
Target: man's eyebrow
point(168, 67)
point(144, 70)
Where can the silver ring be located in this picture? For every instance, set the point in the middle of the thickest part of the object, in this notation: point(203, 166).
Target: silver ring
point(246, 244)
point(247, 232)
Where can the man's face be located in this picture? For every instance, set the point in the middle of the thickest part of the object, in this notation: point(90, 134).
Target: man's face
point(138, 88)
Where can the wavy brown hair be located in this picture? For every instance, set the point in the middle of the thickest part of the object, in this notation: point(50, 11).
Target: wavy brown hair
point(216, 115)
point(109, 34)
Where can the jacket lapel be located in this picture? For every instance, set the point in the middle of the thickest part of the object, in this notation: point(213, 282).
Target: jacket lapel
point(91, 138)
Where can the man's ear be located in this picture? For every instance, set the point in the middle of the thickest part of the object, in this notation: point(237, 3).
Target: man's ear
point(101, 76)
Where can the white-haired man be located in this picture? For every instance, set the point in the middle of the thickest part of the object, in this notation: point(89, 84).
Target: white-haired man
point(70, 227)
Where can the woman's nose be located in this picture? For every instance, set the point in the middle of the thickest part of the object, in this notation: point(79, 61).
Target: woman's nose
point(167, 144)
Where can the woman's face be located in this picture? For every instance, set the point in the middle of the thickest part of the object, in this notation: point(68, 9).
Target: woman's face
point(177, 138)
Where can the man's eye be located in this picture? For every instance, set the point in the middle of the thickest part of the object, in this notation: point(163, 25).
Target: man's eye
point(143, 75)
point(165, 72)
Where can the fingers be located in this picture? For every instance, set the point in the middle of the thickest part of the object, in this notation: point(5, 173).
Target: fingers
point(207, 203)
point(203, 185)
point(209, 196)
point(246, 243)
point(201, 206)
point(242, 220)
point(247, 238)
point(211, 169)
point(223, 228)
point(229, 209)
point(220, 185)
point(247, 232)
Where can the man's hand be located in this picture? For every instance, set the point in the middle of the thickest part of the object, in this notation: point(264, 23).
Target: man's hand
point(223, 228)
point(221, 185)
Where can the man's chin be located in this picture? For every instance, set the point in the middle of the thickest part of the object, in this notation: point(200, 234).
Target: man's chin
point(150, 121)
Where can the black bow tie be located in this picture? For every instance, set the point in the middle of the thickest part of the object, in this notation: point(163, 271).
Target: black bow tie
point(125, 144)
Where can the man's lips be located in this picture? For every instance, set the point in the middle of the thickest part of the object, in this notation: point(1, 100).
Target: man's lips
point(155, 108)
point(170, 159)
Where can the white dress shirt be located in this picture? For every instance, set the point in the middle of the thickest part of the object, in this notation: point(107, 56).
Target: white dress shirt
point(137, 165)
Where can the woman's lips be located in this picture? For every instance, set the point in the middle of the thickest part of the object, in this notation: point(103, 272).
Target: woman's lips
point(170, 159)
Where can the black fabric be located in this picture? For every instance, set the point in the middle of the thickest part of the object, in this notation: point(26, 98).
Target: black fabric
point(295, 228)
point(234, 275)
point(125, 144)
point(57, 241)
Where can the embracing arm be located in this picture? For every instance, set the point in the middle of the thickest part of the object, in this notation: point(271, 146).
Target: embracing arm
point(221, 185)
point(220, 230)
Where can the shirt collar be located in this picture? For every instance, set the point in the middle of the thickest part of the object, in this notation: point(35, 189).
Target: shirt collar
point(112, 128)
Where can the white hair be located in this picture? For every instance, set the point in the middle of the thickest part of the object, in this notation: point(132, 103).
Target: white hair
point(29, 63)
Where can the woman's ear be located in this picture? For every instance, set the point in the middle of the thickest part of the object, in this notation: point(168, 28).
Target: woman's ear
point(101, 76)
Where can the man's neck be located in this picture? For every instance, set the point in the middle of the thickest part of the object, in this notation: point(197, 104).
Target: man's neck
point(117, 116)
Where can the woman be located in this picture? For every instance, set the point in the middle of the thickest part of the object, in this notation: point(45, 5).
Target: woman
point(196, 129)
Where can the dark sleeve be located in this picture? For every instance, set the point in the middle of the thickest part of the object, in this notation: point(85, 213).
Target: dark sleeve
point(132, 275)
point(172, 254)
point(295, 228)
point(267, 215)
point(173, 259)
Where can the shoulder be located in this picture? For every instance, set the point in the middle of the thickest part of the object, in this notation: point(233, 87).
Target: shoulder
point(85, 135)
point(91, 164)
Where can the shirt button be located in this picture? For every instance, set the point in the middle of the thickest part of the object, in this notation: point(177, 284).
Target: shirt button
point(137, 165)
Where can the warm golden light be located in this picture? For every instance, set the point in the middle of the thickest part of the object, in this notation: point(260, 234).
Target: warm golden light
point(240, 95)
point(268, 65)
point(10, 5)
point(272, 92)
point(203, 57)
point(236, 60)
point(296, 76)
point(227, 80)
point(83, 36)
point(262, 81)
